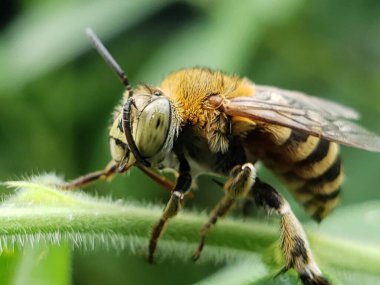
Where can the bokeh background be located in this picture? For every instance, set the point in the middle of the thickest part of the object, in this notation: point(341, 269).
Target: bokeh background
point(57, 94)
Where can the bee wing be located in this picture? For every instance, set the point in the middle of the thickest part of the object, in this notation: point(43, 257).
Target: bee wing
point(315, 116)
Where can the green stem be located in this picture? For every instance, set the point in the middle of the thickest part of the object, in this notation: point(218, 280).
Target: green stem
point(39, 213)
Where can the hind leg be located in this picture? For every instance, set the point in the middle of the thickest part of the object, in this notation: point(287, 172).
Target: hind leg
point(294, 244)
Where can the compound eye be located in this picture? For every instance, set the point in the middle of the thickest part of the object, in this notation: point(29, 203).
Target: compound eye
point(153, 127)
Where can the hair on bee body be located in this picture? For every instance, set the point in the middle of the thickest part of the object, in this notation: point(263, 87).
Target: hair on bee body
point(199, 120)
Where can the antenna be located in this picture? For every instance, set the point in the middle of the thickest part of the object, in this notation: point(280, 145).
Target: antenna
point(98, 45)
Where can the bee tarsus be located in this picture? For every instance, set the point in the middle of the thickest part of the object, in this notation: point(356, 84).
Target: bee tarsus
point(89, 178)
point(174, 204)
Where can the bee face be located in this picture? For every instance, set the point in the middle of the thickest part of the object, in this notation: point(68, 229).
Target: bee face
point(118, 144)
point(150, 120)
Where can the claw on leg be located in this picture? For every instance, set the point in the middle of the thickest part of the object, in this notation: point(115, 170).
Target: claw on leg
point(156, 233)
point(170, 211)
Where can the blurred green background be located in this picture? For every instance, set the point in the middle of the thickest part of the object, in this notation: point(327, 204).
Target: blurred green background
point(57, 94)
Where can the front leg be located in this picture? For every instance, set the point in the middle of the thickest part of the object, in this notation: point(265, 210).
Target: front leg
point(294, 242)
point(82, 181)
point(172, 207)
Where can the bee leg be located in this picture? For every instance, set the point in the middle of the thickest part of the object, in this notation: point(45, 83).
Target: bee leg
point(294, 243)
point(173, 206)
point(107, 173)
point(242, 177)
point(158, 178)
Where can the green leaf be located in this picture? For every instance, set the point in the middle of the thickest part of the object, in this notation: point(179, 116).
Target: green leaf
point(357, 223)
point(217, 42)
point(238, 273)
point(9, 260)
point(47, 36)
point(44, 265)
point(354, 229)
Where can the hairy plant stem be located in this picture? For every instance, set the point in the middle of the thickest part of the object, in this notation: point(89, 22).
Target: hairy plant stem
point(37, 213)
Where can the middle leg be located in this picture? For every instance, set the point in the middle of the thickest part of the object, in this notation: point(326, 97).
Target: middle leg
point(242, 178)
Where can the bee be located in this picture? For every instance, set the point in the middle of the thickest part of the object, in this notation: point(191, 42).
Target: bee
point(199, 120)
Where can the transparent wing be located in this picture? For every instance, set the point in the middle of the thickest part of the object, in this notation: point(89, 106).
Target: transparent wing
point(318, 117)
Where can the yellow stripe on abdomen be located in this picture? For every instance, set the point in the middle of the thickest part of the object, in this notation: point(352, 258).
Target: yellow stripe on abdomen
point(311, 168)
point(315, 165)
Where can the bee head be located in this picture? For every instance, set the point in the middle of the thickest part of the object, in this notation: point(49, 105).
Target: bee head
point(142, 131)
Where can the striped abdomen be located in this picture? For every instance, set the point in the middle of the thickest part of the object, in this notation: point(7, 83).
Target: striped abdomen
point(309, 166)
